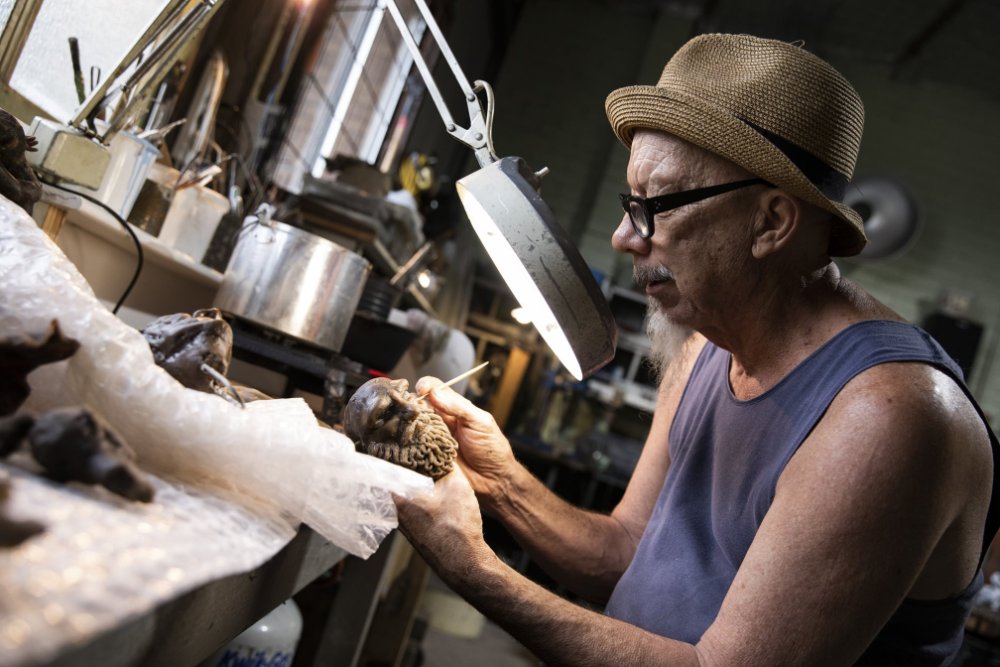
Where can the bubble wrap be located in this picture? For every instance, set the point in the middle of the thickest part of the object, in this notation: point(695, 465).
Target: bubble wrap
point(103, 560)
point(273, 452)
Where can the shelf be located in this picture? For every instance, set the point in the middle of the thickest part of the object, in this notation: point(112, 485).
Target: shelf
point(95, 220)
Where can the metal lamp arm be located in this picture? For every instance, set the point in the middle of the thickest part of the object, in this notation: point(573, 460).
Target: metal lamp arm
point(477, 135)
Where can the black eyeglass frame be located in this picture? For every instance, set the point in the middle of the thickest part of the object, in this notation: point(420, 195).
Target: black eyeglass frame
point(653, 205)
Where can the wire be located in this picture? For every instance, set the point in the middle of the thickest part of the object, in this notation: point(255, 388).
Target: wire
point(124, 223)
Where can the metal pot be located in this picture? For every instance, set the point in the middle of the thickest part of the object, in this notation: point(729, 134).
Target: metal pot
point(295, 282)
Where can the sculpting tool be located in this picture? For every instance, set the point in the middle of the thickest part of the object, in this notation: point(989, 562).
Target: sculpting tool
point(457, 378)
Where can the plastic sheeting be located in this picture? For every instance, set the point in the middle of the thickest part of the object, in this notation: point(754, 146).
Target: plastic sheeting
point(273, 453)
point(104, 560)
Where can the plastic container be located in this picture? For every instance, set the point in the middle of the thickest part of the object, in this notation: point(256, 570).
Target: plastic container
point(270, 641)
point(131, 159)
point(157, 194)
point(191, 221)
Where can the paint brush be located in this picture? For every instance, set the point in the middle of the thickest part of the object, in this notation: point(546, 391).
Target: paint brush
point(457, 378)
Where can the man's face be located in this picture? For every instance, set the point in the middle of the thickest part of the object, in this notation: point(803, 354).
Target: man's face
point(697, 264)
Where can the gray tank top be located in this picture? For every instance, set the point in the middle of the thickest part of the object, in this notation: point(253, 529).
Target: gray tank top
point(725, 459)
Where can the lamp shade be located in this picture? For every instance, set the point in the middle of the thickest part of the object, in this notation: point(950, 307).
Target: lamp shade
point(539, 263)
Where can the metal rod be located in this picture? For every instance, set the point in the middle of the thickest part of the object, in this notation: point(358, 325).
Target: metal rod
point(473, 136)
point(418, 60)
point(15, 34)
point(74, 56)
point(449, 57)
point(160, 61)
point(167, 14)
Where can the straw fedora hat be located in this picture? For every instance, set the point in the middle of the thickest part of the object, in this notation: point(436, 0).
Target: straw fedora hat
point(771, 107)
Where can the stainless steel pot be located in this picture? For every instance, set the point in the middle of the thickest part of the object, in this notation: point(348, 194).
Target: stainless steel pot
point(296, 282)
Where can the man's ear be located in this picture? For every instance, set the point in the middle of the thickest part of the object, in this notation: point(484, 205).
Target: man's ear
point(779, 216)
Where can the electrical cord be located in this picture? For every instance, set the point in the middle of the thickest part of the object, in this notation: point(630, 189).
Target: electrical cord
point(128, 229)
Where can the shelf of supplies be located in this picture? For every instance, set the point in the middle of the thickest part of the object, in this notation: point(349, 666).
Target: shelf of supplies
point(93, 219)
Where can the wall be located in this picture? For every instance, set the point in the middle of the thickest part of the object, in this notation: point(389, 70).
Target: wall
point(942, 142)
point(566, 55)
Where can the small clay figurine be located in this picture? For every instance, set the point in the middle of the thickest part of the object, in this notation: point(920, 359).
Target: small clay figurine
point(13, 532)
point(18, 182)
point(22, 354)
point(181, 343)
point(386, 420)
point(73, 444)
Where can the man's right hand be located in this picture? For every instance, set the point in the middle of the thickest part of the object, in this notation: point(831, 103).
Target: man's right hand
point(483, 451)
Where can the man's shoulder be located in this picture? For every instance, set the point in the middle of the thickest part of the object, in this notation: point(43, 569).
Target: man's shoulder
point(914, 390)
point(910, 411)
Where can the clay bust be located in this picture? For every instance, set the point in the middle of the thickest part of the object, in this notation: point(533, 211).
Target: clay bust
point(17, 181)
point(181, 343)
point(386, 420)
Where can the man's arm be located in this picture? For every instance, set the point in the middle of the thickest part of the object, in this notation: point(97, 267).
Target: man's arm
point(447, 531)
point(864, 515)
point(585, 551)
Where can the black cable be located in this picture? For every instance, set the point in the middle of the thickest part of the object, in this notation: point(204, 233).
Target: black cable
point(128, 229)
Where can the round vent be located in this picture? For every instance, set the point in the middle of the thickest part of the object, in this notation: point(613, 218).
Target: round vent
point(889, 213)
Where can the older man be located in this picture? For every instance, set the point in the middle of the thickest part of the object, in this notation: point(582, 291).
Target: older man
point(816, 482)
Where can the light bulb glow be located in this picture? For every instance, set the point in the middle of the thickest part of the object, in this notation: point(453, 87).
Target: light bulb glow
point(519, 280)
point(520, 315)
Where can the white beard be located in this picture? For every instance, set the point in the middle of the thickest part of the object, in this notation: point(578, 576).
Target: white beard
point(667, 340)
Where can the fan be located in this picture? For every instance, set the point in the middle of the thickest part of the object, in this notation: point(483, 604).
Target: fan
point(889, 213)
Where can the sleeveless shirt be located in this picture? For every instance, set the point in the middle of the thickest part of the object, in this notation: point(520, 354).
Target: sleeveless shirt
point(725, 459)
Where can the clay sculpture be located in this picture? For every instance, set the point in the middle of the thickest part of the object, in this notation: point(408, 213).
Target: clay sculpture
point(386, 420)
point(74, 444)
point(22, 354)
point(181, 343)
point(18, 182)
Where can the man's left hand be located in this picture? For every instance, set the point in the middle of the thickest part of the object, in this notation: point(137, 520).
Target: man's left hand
point(446, 528)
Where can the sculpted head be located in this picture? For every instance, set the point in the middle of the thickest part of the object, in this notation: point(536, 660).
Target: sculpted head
point(182, 342)
point(386, 420)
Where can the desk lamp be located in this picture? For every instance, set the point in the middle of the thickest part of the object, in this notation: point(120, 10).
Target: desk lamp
point(535, 257)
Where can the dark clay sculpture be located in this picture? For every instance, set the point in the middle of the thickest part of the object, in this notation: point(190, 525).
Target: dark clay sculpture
point(13, 532)
point(181, 343)
point(13, 430)
point(18, 182)
point(387, 421)
point(73, 444)
point(22, 354)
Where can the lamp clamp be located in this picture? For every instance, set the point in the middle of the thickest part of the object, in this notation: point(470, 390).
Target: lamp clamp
point(478, 135)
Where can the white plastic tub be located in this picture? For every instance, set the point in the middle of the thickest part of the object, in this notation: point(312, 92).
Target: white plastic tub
point(191, 221)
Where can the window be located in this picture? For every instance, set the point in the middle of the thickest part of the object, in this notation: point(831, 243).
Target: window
point(349, 99)
point(44, 73)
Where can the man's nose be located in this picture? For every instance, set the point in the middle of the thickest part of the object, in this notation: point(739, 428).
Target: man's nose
point(625, 238)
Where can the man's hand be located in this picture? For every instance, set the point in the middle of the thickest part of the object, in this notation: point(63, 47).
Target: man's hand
point(447, 528)
point(483, 452)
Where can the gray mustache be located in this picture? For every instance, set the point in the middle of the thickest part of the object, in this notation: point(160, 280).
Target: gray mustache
point(644, 275)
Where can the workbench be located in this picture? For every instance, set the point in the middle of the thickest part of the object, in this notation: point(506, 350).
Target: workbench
point(171, 618)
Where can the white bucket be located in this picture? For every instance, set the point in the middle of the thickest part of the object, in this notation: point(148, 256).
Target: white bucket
point(131, 158)
point(191, 221)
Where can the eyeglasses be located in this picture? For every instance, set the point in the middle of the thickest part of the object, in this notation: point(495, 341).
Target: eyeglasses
point(641, 210)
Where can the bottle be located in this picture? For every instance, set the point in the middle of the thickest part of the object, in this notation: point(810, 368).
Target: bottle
point(270, 642)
